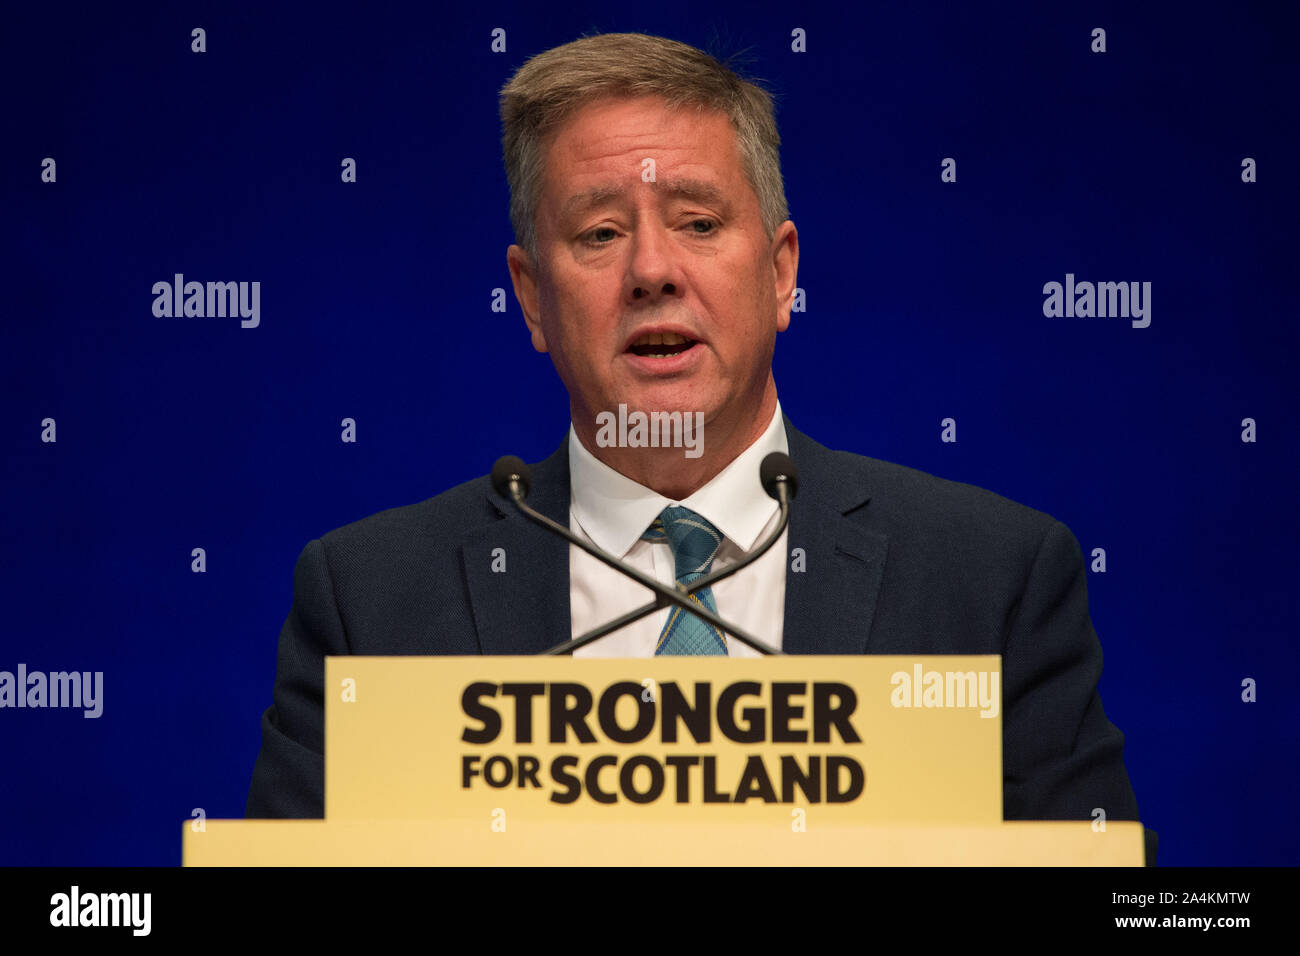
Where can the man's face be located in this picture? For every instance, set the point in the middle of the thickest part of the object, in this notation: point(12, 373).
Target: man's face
point(622, 260)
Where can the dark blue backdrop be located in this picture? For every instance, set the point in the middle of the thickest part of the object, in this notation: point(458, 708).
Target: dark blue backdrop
point(924, 302)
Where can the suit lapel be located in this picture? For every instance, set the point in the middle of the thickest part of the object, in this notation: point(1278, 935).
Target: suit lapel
point(525, 608)
point(830, 605)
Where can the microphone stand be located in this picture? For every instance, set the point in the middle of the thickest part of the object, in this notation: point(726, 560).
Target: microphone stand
point(679, 595)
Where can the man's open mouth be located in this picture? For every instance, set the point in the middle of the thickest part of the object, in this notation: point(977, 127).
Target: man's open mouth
point(661, 345)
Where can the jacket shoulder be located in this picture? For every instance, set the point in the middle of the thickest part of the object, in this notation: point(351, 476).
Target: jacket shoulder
point(908, 503)
point(449, 513)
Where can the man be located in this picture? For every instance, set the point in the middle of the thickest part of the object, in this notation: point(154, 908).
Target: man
point(656, 264)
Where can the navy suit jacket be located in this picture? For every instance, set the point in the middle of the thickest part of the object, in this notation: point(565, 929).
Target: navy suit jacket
point(897, 562)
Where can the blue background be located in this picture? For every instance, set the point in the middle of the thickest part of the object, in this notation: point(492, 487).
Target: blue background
point(924, 301)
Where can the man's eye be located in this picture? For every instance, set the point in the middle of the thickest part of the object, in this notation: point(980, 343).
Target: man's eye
point(592, 237)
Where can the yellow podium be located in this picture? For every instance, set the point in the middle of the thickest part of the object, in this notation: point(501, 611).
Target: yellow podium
point(794, 760)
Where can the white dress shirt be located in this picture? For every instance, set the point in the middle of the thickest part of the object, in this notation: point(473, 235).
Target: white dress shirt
point(613, 511)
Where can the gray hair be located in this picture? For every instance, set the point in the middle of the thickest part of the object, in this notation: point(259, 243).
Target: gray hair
point(555, 84)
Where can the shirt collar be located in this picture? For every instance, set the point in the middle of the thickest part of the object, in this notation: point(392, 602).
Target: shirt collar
point(614, 511)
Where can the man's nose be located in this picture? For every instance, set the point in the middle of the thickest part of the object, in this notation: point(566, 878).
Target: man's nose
point(652, 271)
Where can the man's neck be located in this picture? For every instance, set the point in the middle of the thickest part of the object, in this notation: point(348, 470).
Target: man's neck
point(667, 470)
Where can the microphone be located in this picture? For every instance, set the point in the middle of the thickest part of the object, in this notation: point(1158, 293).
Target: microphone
point(512, 478)
point(510, 473)
point(775, 470)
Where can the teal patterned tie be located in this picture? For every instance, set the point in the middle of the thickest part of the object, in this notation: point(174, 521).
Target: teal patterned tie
point(694, 543)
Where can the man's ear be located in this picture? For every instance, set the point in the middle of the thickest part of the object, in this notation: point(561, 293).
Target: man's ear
point(523, 275)
point(785, 271)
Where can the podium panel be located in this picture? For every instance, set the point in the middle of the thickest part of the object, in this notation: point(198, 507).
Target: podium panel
point(793, 760)
point(414, 843)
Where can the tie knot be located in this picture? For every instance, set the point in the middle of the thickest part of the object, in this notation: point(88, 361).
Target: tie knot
point(694, 542)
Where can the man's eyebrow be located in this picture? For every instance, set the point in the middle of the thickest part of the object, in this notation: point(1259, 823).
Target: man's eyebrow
point(683, 188)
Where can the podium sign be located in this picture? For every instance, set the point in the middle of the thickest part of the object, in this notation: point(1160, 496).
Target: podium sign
point(863, 739)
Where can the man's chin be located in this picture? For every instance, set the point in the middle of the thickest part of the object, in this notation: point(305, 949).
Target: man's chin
point(653, 424)
point(666, 399)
